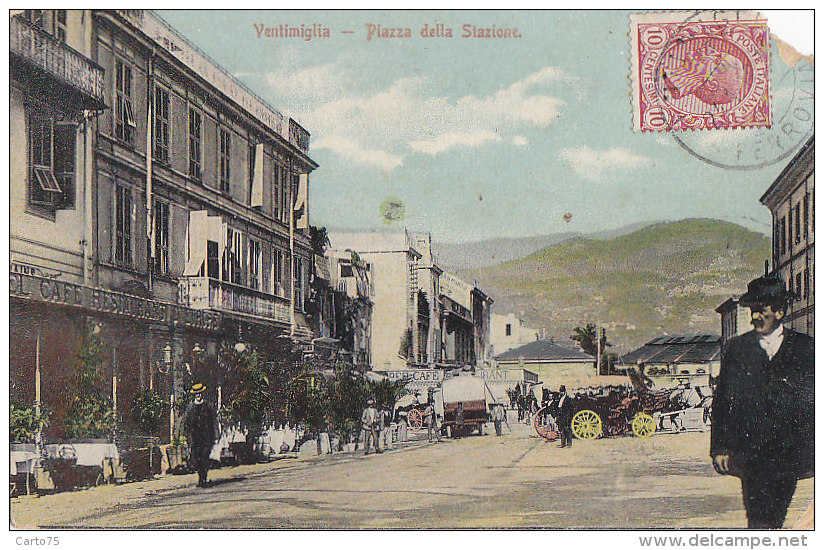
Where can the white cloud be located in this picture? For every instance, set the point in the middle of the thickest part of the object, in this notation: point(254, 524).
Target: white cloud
point(453, 139)
point(596, 165)
point(350, 149)
point(381, 128)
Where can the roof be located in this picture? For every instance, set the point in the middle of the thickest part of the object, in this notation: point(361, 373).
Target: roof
point(544, 350)
point(695, 348)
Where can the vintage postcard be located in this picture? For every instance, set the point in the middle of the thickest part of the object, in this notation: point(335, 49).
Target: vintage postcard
point(423, 269)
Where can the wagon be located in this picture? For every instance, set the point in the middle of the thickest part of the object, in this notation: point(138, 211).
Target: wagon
point(614, 413)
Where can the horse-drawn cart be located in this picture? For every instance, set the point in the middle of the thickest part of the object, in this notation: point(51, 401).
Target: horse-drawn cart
point(640, 411)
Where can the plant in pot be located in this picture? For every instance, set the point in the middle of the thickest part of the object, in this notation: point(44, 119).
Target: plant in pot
point(25, 423)
point(249, 392)
point(148, 410)
point(90, 414)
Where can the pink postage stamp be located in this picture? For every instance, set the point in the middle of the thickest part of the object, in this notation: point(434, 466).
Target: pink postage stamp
point(700, 71)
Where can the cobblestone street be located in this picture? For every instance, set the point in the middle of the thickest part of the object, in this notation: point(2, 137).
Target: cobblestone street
point(514, 481)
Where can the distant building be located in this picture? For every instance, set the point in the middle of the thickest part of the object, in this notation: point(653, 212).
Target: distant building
point(394, 269)
point(791, 200)
point(554, 364)
point(422, 317)
point(696, 356)
point(735, 319)
point(507, 332)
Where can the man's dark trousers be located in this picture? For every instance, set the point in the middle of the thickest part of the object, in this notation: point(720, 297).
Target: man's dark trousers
point(766, 499)
point(200, 462)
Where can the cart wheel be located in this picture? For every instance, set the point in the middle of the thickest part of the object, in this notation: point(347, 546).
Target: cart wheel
point(643, 425)
point(543, 426)
point(586, 424)
point(415, 419)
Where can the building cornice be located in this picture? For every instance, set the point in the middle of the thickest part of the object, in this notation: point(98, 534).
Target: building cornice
point(799, 168)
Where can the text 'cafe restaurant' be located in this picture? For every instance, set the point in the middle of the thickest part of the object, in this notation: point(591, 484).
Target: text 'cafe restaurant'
point(141, 344)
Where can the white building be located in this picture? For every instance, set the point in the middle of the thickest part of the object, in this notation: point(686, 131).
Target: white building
point(507, 332)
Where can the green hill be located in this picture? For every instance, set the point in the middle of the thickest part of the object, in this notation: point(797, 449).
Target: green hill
point(666, 278)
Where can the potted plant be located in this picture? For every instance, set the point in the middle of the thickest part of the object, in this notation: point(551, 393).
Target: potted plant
point(147, 412)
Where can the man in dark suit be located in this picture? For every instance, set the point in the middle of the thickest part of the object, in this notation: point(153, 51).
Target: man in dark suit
point(563, 417)
point(763, 407)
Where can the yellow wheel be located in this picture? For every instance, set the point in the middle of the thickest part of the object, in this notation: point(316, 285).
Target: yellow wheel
point(586, 424)
point(643, 425)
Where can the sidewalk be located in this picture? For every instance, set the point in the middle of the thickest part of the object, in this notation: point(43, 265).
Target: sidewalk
point(106, 496)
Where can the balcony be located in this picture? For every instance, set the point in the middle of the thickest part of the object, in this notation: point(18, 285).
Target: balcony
point(48, 55)
point(298, 136)
point(211, 294)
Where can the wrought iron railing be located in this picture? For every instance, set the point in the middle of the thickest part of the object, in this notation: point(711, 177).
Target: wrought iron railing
point(39, 48)
point(206, 293)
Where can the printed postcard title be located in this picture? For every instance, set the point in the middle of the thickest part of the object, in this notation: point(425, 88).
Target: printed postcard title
point(373, 31)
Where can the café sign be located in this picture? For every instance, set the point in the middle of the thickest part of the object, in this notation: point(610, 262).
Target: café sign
point(97, 300)
point(416, 375)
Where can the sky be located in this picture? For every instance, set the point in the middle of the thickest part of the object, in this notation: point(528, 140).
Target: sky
point(482, 138)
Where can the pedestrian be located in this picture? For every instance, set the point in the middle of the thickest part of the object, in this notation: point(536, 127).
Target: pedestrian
point(763, 407)
point(429, 420)
point(562, 410)
point(459, 421)
point(202, 429)
point(369, 423)
point(498, 418)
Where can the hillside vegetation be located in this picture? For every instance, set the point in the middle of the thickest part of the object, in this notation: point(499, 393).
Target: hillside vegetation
point(665, 278)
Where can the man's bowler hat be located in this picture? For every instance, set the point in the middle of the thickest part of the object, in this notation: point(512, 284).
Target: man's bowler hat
point(198, 388)
point(766, 290)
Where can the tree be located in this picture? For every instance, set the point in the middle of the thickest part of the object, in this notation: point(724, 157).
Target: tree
point(148, 410)
point(318, 239)
point(588, 342)
point(25, 423)
point(91, 413)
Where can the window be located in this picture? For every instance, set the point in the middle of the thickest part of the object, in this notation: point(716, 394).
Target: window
point(254, 264)
point(807, 283)
point(799, 289)
point(124, 121)
point(276, 209)
point(297, 278)
point(346, 270)
point(161, 237)
point(797, 223)
point(806, 221)
point(508, 329)
point(123, 226)
point(790, 229)
point(195, 140)
point(161, 125)
point(224, 157)
point(233, 257)
point(277, 271)
point(212, 260)
point(783, 235)
point(60, 25)
point(35, 17)
point(284, 195)
point(51, 162)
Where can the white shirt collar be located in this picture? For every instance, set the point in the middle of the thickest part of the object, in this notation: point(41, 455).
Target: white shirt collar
point(772, 341)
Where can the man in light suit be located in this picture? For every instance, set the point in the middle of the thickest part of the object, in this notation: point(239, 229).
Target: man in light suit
point(763, 407)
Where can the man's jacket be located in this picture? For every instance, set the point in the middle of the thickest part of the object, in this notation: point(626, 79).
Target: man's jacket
point(763, 409)
point(201, 424)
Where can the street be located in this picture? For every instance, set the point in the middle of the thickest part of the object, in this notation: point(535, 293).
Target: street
point(513, 481)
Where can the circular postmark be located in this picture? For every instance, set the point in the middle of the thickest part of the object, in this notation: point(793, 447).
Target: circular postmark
point(755, 148)
point(708, 82)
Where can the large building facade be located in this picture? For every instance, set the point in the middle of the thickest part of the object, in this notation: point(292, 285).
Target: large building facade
point(153, 198)
point(791, 200)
